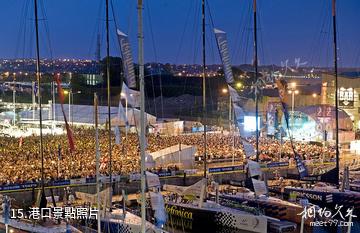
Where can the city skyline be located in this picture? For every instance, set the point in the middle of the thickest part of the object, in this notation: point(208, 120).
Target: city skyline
point(300, 29)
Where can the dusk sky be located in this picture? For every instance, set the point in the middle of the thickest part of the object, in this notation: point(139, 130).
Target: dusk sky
point(288, 29)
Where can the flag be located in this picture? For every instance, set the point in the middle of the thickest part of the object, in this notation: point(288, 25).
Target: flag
point(6, 209)
point(281, 85)
point(249, 149)
point(254, 168)
point(234, 94)
point(128, 63)
point(68, 130)
point(239, 112)
point(259, 187)
point(300, 165)
point(117, 135)
point(35, 88)
point(132, 96)
point(224, 54)
point(121, 114)
point(103, 163)
point(152, 180)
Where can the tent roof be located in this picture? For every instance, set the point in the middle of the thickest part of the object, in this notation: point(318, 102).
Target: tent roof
point(169, 150)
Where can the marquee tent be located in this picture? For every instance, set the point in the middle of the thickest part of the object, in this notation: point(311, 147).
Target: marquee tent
point(180, 154)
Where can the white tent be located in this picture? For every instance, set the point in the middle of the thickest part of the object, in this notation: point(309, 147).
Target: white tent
point(84, 115)
point(180, 154)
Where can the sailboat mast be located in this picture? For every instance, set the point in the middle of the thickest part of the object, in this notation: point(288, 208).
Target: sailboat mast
point(108, 95)
point(38, 77)
point(97, 158)
point(336, 84)
point(204, 82)
point(256, 87)
point(142, 111)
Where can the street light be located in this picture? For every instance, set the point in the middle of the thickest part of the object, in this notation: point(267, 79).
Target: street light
point(238, 85)
point(224, 90)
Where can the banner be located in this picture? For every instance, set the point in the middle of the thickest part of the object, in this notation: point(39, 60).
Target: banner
point(152, 180)
point(117, 135)
point(259, 187)
point(281, 85)
point(132, 96)
point(300, 166)
point(277, 164)
point(234, 94)
point(346, 97)
point(254, 168)
point(128, 63)
point(224, 54)
point(193, 190)
point(158, 205)
point(239, 112)
point(225, 169)
point(249, 149)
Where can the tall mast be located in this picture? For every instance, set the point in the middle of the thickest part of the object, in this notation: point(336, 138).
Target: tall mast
point(204, 81)
point(38, 77)
point(142, 110)
point(97, 158)
point(336, 86)
point(108, 95)
point(256, 87)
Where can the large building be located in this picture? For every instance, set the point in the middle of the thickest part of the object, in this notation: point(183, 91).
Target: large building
point(348, 95)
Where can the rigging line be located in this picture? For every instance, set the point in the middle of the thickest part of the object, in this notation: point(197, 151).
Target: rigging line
point(314, 45)
point(238, 37)
point(197, 37)
point(113, 14)
point(47, 31)
point(156, 60)
point(324, 43)
point(131, 14)
point(183, 32)
point(22, 24)
point(247, 27)
point(196, 8)
point(25, 30)
point(96, 29)
point(148, 22)
point(260, 29)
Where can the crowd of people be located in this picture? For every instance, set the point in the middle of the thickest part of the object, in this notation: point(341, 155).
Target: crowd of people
point(21, 162)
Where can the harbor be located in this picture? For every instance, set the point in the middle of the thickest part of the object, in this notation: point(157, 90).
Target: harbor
point(183, 116)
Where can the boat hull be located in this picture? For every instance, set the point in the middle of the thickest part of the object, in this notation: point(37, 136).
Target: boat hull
point(328, 199)
point(276, 209)
point(194, 219)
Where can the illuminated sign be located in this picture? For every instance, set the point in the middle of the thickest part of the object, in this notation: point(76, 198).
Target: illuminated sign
point(346, 97)
point(250, 123)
